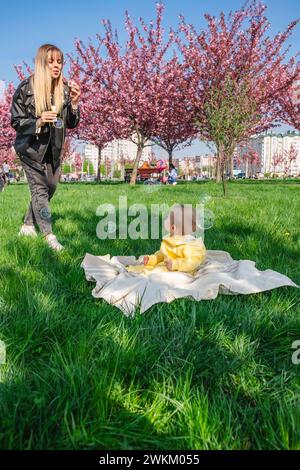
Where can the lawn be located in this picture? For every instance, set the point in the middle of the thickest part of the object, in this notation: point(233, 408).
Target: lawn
point(185, 375)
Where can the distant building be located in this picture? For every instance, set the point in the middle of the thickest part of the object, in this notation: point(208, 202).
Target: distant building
point(268, 145)
point(278, 144)
point(254, 143)
point(196, 165)
point(114, 154)
point(118, 149)
point(91, 154)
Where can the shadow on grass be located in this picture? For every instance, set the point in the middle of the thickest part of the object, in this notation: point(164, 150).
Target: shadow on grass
point(73, 357)
point(64, 371)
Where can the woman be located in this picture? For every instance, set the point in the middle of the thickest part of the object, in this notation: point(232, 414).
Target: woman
point(172, 178)
point(41, 134)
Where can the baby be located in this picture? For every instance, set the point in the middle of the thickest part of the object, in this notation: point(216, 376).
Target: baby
point(180, 250)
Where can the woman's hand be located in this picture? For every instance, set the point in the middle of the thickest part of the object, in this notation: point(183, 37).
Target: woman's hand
point(74, 92)
point(146, 259)
point(46, 116)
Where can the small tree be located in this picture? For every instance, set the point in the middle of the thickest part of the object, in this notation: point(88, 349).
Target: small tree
point(78, 162)
point(88, 167)
point(7, 133)
point(289, 156)
point(229, 112)
point(277, 159)
point(66, 168)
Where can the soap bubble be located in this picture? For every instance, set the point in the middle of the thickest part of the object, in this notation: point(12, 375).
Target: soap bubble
point(207, 220)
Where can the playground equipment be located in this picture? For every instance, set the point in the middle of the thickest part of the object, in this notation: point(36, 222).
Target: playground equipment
point(146, 171)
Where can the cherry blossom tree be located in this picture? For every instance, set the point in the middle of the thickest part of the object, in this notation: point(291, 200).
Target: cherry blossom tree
point(290, 106)
point(129, 80)
point(68, 148)
point(78, 162)
point(175, 124)
point(234, 61)
point(20, 72)
point(289, 156)
point(252, 160)
point(228, 111)
point(277, 159)
point(7, 133)
point(247, 159)
point(97, 125)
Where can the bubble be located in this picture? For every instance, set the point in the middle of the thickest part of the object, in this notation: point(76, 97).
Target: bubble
point(207, 221)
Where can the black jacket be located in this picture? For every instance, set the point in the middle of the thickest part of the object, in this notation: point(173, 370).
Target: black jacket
point(30, 145)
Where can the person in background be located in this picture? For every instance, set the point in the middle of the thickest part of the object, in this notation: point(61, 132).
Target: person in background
point(172, 178)
point(5, 169)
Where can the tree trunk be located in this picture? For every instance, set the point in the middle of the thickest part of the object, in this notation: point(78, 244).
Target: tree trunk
point(231, 166)
point(247, 168)
point(105, 164)
point(136, 164)
point(222, 168)
point(223, 176)
point(218, 168)
point(99, 166)
point(170, 153)
point(224, 185)
point(227, 168)
point(123, 169)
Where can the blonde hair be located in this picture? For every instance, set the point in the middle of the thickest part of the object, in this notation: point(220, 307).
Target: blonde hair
point(41, 81)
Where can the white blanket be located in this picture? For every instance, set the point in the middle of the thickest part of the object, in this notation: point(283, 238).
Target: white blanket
point(220, 274)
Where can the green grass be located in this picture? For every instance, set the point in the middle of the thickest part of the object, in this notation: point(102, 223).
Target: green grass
point(185, 375)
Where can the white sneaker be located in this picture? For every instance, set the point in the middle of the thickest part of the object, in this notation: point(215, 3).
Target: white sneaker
point(27, 231)
point(53, 242)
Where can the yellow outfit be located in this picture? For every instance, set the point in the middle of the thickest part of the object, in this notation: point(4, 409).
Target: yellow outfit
point(186, 252)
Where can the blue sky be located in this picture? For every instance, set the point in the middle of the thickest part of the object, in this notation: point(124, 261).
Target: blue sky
point(26, 24)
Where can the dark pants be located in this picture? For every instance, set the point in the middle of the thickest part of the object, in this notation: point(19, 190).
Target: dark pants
point(42, 184)
point(171, 179)
point(2, 182)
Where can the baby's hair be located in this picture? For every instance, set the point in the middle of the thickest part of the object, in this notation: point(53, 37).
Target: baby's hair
point(186, 218)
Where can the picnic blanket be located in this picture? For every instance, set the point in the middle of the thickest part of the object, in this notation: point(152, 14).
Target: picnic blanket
point(220, 274)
